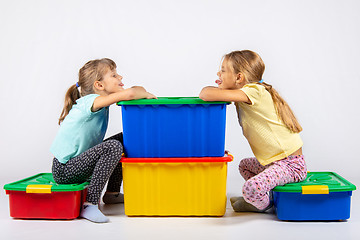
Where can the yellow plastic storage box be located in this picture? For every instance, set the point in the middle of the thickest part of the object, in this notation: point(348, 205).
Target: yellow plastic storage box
point(175, 186)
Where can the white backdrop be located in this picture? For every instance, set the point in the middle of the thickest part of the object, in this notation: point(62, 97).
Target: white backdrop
point(173, 48)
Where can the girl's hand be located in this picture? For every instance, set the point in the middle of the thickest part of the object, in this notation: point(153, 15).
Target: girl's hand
point(151, 96)
point(147, 94)
point(218, 94)
point(132, 93)
point(140, 88)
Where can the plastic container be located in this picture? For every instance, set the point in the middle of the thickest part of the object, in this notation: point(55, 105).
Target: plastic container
point(175, 186)
point(322, 196)
point(173, 127)
point(40, 197)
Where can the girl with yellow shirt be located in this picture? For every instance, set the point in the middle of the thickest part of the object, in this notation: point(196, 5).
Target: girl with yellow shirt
point(268, 124)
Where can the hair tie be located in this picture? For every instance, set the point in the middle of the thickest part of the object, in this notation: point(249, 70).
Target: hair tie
point(261, 81)
point(77, 85)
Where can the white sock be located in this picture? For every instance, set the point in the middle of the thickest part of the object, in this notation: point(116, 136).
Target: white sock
point(93, 213)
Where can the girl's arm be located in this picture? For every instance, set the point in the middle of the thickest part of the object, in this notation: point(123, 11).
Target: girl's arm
point(219, 94)
point(124, 95)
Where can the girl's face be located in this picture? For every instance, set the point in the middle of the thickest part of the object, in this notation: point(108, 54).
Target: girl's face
point(112, 82)
point(227, 79)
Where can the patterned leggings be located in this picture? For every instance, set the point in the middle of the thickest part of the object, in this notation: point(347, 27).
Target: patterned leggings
point(97, 165)
point(261, 179)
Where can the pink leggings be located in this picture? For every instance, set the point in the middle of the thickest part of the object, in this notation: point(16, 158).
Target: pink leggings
point(261, 179)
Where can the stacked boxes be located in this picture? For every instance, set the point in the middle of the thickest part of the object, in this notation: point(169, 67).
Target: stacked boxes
point(175, 163)
point(39, 197)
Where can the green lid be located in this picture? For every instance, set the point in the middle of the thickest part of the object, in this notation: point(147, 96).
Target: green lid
point(335, 183)
point(168, 100)
point(44, 179)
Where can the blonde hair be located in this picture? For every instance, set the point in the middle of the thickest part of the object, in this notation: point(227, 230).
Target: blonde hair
point(92, 71)
point(252, 67)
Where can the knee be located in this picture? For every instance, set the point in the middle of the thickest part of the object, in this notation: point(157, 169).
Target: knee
point(242, 164)
point(245, 163)
point(115, 147)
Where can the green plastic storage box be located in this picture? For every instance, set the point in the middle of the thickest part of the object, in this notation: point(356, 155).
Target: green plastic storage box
point(322, 196)
point(40, 197)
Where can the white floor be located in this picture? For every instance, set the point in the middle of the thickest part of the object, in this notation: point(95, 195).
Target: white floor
point(231, 226)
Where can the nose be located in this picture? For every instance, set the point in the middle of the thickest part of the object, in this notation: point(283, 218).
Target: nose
point(218, 74)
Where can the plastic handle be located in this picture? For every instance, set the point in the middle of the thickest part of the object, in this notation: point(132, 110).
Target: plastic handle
point(227, 153)
point(315, 189)
point(38, 188)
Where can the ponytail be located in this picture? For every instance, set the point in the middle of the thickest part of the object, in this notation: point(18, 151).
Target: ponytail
point(283, 110)
point(92, 71)
point(252, 66)
point(71, 96)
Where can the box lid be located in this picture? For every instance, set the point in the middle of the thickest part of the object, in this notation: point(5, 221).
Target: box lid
point(168, 100)
point(43, 183)
point(226, 158)
point(318, 182)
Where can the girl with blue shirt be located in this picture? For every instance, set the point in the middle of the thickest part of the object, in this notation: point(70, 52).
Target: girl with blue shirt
point(80, 154)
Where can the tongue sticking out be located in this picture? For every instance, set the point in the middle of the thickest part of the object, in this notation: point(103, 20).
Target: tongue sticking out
point(218, 82)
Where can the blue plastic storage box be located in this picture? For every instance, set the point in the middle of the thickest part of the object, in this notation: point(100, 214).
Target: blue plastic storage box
point(322, 196)
point(173, 127)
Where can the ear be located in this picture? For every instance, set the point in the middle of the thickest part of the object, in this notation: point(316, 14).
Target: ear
point(98, 85)
point(239, 78)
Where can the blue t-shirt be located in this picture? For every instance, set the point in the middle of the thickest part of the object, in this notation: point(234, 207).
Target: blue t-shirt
point(81, 129)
